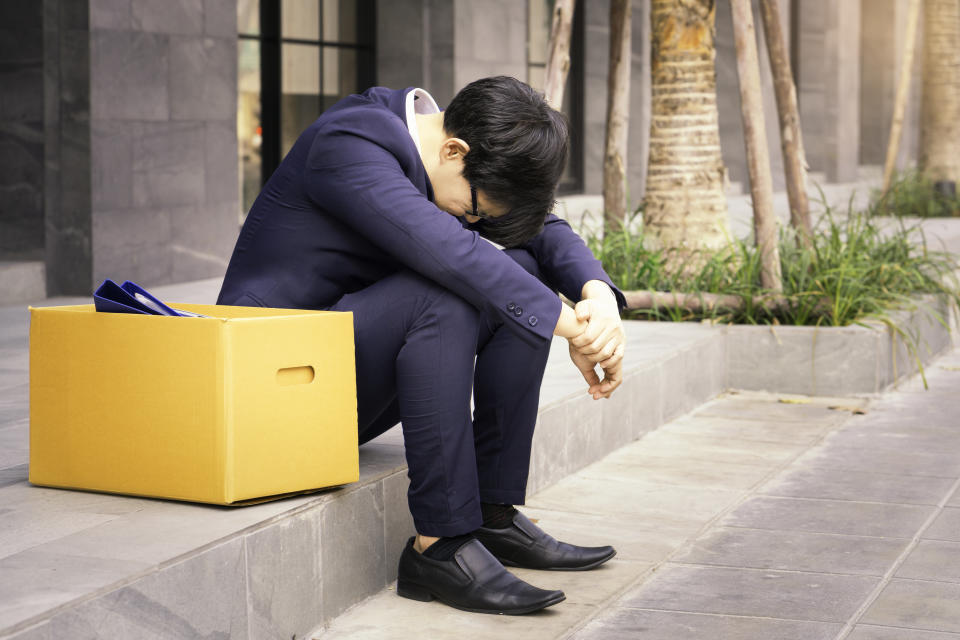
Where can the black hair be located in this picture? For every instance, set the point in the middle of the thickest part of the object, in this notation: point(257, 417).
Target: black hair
point(518, 149)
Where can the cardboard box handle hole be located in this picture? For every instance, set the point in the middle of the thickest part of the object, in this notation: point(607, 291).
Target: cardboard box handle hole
point(295, 375)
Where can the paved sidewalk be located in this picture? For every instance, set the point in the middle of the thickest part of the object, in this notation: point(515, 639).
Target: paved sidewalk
point(859, 538)
point(753, 519)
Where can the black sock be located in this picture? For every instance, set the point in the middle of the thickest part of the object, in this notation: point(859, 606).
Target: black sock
point(497, 516)
point(444, 548)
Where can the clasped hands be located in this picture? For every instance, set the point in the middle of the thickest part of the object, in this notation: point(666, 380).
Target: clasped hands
point(596, 338)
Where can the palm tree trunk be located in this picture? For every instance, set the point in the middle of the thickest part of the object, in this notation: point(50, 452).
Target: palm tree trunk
point(755, 137)
point(618, 116)
point(791, 140)
point(558, 61)
point(685, 205)
point(900, 101)
point(940, 129)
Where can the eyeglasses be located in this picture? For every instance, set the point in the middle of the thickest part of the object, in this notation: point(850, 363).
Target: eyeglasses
point(476, 211)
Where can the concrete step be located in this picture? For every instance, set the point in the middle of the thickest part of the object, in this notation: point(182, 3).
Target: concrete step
point(22, 281)
point(76, 564)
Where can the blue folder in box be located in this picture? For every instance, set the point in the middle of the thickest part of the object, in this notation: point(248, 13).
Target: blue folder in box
point(130, 297)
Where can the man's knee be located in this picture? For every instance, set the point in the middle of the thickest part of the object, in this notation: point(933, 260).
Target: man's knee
point(448, 306)
point(526, 260)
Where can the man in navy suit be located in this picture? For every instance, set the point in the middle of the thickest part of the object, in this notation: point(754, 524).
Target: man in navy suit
point(390, 208)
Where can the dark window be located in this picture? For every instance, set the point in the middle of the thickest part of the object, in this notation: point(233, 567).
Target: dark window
point(295, 59)
point(539, 17)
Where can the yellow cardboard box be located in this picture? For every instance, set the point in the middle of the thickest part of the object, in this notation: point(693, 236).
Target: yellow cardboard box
point(244, 404)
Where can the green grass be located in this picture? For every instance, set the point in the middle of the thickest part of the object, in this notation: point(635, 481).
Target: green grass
point(853, 272)
point(912, 194)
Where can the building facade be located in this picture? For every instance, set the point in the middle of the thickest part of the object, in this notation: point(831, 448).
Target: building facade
point(134, 134)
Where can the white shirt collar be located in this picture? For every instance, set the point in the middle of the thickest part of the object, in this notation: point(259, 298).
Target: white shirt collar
point(418, 101)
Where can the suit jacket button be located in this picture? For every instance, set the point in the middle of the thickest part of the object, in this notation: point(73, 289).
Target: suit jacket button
point(518, 311)
point(533, 321)
point(511, 306)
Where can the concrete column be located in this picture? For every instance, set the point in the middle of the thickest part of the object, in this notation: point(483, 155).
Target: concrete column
point(883, 25)
point(489, 38)
point(415, 46)
point(596, 64)
point(66, 147)
point(21, 129)
point(728, 96)
point(829, 86)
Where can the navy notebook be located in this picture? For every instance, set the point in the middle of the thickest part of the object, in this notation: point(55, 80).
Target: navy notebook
point(130, 297)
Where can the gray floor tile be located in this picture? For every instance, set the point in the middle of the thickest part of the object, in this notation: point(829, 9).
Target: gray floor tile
point(174, 602)
point(16, 358)
point(38, 632)
point(830, 516)
point(751, 408)
point(636, 461)
point(904, 408)
point(934, 606)
point(943, 464)
point(954, 500)
point(794, 551)
point(587, 587)
point(386, 616)
point(13, 475)
point(633, 537)
point(914, 438)
point(933, 560)
point(871, 632)
point(842, 484)
point(14, 411)
point(945, 527)
point(15, 436)
point(13, 382)
point(670, 503)
point(624, 623)
point(775, 594)
point(710, 448)
point(13, 457)
point(35, 582)
point(761, 430)
point(21, 530)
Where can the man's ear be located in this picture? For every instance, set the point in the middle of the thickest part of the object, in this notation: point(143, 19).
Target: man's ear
point(453, 149)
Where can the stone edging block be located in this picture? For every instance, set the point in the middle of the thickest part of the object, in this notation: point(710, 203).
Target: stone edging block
point(837, 361)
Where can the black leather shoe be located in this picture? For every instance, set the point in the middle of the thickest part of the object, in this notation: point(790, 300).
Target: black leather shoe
point(473, 581)
point(526, 545)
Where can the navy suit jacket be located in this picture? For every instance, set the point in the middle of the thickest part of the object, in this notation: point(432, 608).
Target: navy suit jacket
point(351, 204)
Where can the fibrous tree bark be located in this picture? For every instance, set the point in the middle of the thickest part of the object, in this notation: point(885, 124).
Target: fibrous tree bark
point(618, 110)
point(900, 101)
point(558, 60)
point(791, 140)
point(685, 204)
point(940, 118)
point(755, 138)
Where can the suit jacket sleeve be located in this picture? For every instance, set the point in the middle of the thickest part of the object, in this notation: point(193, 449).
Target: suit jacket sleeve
point(566, 261)
point(350, 176)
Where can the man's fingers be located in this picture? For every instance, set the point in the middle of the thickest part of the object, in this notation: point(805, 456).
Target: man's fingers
point(615, 358)
point(582, 310)
point(588, 336)
point(606, 352)
point(593, 380)
point(612, 378)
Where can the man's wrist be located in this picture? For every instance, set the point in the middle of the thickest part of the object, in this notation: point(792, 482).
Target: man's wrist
point(597, 289)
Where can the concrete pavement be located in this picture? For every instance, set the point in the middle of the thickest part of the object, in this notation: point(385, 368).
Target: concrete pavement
point(756, 517)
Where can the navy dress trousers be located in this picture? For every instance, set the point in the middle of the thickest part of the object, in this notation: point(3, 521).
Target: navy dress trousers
point(347, 223)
